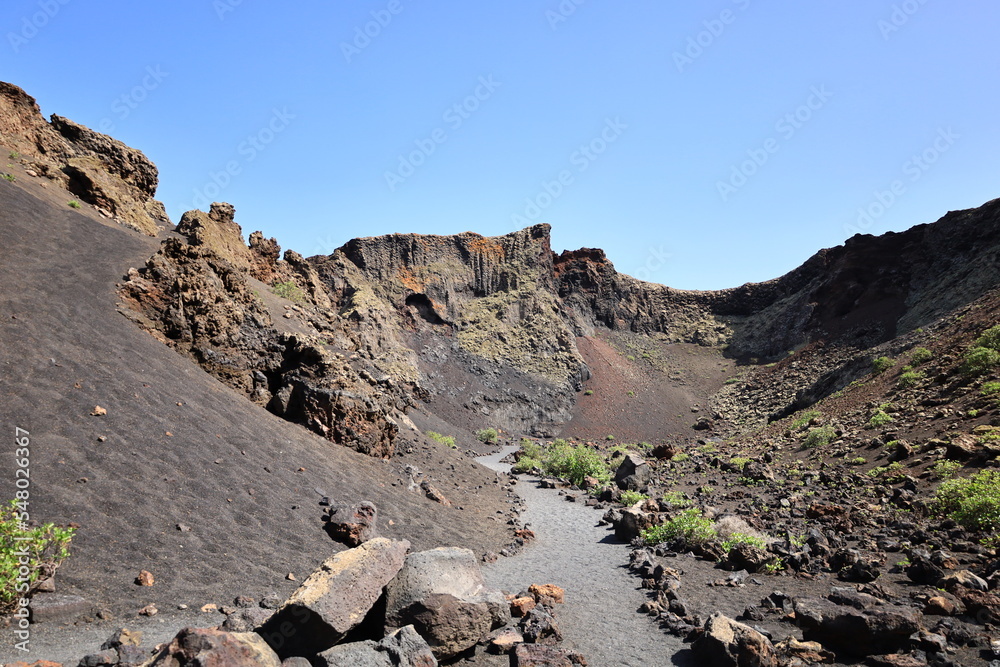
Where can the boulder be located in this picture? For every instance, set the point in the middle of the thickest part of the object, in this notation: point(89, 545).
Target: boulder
point(748, 557)
point(246, 619)
point(334, 599)
point(963, 578)
point(535, 655)
point(633, 473)
point(544, 592)
point(726, 642)
point(629, 523)
point(198, 647)
point(353, 524)
point(403, 648)
point(855, 632)
point(539, 627)
point(984, 607)
point(450, 625)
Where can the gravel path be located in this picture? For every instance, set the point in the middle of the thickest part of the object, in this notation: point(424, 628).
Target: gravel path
point(599, 618)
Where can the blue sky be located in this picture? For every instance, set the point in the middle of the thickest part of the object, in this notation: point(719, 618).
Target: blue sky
point(701, 145)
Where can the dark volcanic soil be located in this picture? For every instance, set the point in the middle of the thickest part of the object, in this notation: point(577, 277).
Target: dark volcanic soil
point(176, 446)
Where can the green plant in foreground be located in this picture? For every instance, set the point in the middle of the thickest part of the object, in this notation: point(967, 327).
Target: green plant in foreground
point(690, 527)
point(10, 177)
point(72, 203)
point(488, 436)
point(881, 365)
point(629, 498)
point(589, 392)
point(818, 437)
point(13, 155)
point(775, 566)
point(979, 361)
point(974, 502)
point(676, 499)
point(289, 290)
point(920, 355)
point(45, 546)
point(990, 388)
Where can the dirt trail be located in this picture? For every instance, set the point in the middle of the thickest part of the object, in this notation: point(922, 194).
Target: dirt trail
point(599, 618)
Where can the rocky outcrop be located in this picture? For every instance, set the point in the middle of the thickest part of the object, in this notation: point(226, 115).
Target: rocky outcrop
point(99, 170)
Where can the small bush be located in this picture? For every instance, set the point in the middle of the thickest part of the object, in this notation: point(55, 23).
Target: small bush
point(629, 498)
point(881, 365)
point(946, 469)
point(879, 418)
point(526, 464)
point(740, 461)
point(742, 538)
point(488, 436)
point(72, 203)
point(10, 177)
point(690, 527)
point(289, 290)
point(803, 420)
point(47, 546)
point(676, 499)
point(974, 502)
point(920, 355)
point(443, 439)
point(990, 338)
point(609, 438)
point(680, 457)
point(858, 461)
point(979, 360)
point(589, 392)
point(990, 388)
point(910, 379)
point(818, 437)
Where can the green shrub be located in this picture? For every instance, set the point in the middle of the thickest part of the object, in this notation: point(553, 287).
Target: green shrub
point(680, 457)
point(990, 338)
point(740, 461)
point(47, 546)
point(974, 502)
point(910, 379)
point(589, 392)
point(742, 538)
point(443, 439)
point(946, 469)
point(858, 461)
point(879, 418)
point(289, 290)
point(526, 464)
point(980, 360)
point(803, 420)
point(690, 527)
point(820, 436)
point(560, 459)
point(609, 438)
point(72, 203)
point(920, 355)
point(10, 177)
point(629, 498)
point(881, 365)
point(676, 499)
point(990, 388)
point(488, 436)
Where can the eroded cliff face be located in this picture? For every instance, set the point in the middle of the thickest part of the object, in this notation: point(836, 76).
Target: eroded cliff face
point(120, 181)
point(484, 329)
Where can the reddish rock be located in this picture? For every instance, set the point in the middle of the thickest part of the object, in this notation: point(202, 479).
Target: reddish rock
point(536, 655)
point(145, 578)
point(353, 524)
point(521, 606)
point(551, 591)
point(193, 647)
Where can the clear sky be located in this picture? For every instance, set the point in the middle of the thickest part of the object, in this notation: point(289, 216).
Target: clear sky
point(702, 145)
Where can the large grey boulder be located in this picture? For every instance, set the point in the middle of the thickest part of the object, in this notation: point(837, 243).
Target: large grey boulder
point(633, 473)
point(197, 647)
point(403, 648)
point(727, 643)
point(443, 594)
point(334, 599)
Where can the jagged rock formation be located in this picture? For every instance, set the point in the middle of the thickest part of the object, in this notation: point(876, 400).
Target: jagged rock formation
point(487, 327)
point(104, 172)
